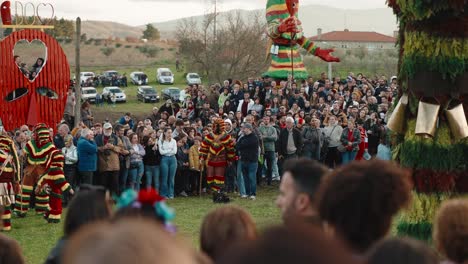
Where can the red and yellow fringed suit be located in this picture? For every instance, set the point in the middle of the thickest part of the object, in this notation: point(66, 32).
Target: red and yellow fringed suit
point(217, 149)
point(10, 173)
point(45, 168)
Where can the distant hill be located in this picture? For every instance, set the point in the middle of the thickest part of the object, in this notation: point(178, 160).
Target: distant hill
point(379, 20)
point(105, 29)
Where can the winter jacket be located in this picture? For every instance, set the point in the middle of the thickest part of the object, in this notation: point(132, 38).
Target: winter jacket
point(356, 138)
point(313, 138)
point(87, 155)
point(269, 137)
point(248, 146)
point(283, 141)
point(194, 158)
point(334, 133)
point(109, 158)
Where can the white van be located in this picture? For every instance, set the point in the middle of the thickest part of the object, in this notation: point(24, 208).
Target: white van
point(165, 76)
point(84, 76)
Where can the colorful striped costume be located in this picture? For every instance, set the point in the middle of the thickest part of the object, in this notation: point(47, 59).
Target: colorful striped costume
point(9, 177)
point(217, 149)
point(433, 70)
point(45, 168)
point(286, 54)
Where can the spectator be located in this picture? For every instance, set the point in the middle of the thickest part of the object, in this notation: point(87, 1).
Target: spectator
point(87, 156)
point(451, 231)
point(357, 202)
point(269, 137)
point(194, 163)
point(127, 120)
point(224, 227)
point(333, 134)
point(70, 154)
point(10, 251)
point(313, 138)
point(245, 105)
point(59, 139)
point(290, 142)
point(90, 204)
point(137, 241)
point(124, 157)
point(86, 115)
point(248, 146)
point(350, 141)
point(299, 184)
point(137, 168)
point(109, 146)
point(402, 251)
point(167, 107)
point(293, 245)
point(152, 162)
point(168, 149)
point(182, 174)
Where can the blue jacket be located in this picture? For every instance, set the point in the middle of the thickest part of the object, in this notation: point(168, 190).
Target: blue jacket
point(123, 122)
point(87, 155)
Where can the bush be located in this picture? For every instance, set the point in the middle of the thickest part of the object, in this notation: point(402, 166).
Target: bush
point(118, 45)
point(128, 46)
point(107, 51)
point(98, 42)
point(149, 51)
point(171, 49)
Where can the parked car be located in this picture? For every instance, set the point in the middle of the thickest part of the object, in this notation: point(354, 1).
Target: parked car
point(147, 94)
point(193, 78)
point(84, 76)
point(139, 78)
point(165, 76)
point(172, 93)
point(88, 94)
point(110, 91)
point(110, 78)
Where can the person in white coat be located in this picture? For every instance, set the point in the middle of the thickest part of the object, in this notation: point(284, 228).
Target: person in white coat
point(245, 105)
point(71, 161)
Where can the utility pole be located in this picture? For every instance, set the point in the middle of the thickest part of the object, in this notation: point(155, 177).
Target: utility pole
point(215, 15)
point(77, 73)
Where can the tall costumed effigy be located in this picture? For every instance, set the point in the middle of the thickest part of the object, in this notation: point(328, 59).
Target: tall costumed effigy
point(429, 122)
point(285, 32)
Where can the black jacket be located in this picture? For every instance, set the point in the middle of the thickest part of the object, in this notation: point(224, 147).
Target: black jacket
point(248, 146)
point(152, 157)
point(283, 141)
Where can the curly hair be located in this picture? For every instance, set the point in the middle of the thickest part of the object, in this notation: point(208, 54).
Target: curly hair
point(360, 199)
point(451, 230)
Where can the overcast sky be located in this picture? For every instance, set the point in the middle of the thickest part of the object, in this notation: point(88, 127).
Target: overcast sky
point(139, 12)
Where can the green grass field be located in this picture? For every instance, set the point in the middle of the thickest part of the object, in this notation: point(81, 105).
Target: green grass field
point(37, 237)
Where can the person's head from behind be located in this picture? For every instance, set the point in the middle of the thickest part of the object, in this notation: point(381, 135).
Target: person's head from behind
point(451, 230)
point(401, 251)
point(223, 227)
point(90, 204)
point(289, 244)
point(357, 201)
point(10, 251)
point(130, 241)
point(300, 181)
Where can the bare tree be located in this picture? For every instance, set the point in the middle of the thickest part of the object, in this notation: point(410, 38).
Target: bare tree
point(237, 51)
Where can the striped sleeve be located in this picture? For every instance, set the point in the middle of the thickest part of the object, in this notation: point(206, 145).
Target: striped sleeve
point(307, 45)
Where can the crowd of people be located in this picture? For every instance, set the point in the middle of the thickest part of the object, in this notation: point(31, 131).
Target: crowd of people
point(231, 138)
point(339, 216)
point(331, 121)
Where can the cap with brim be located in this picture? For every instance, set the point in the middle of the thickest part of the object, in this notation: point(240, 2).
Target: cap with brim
point(107, 126)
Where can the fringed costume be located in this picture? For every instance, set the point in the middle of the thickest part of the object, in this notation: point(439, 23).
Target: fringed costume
point(44, 169)
point(285, 31)
point(217, 149)
point(10, 173)
point(429, 122)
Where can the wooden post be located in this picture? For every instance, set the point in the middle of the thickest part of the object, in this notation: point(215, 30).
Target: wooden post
point(77, 73)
